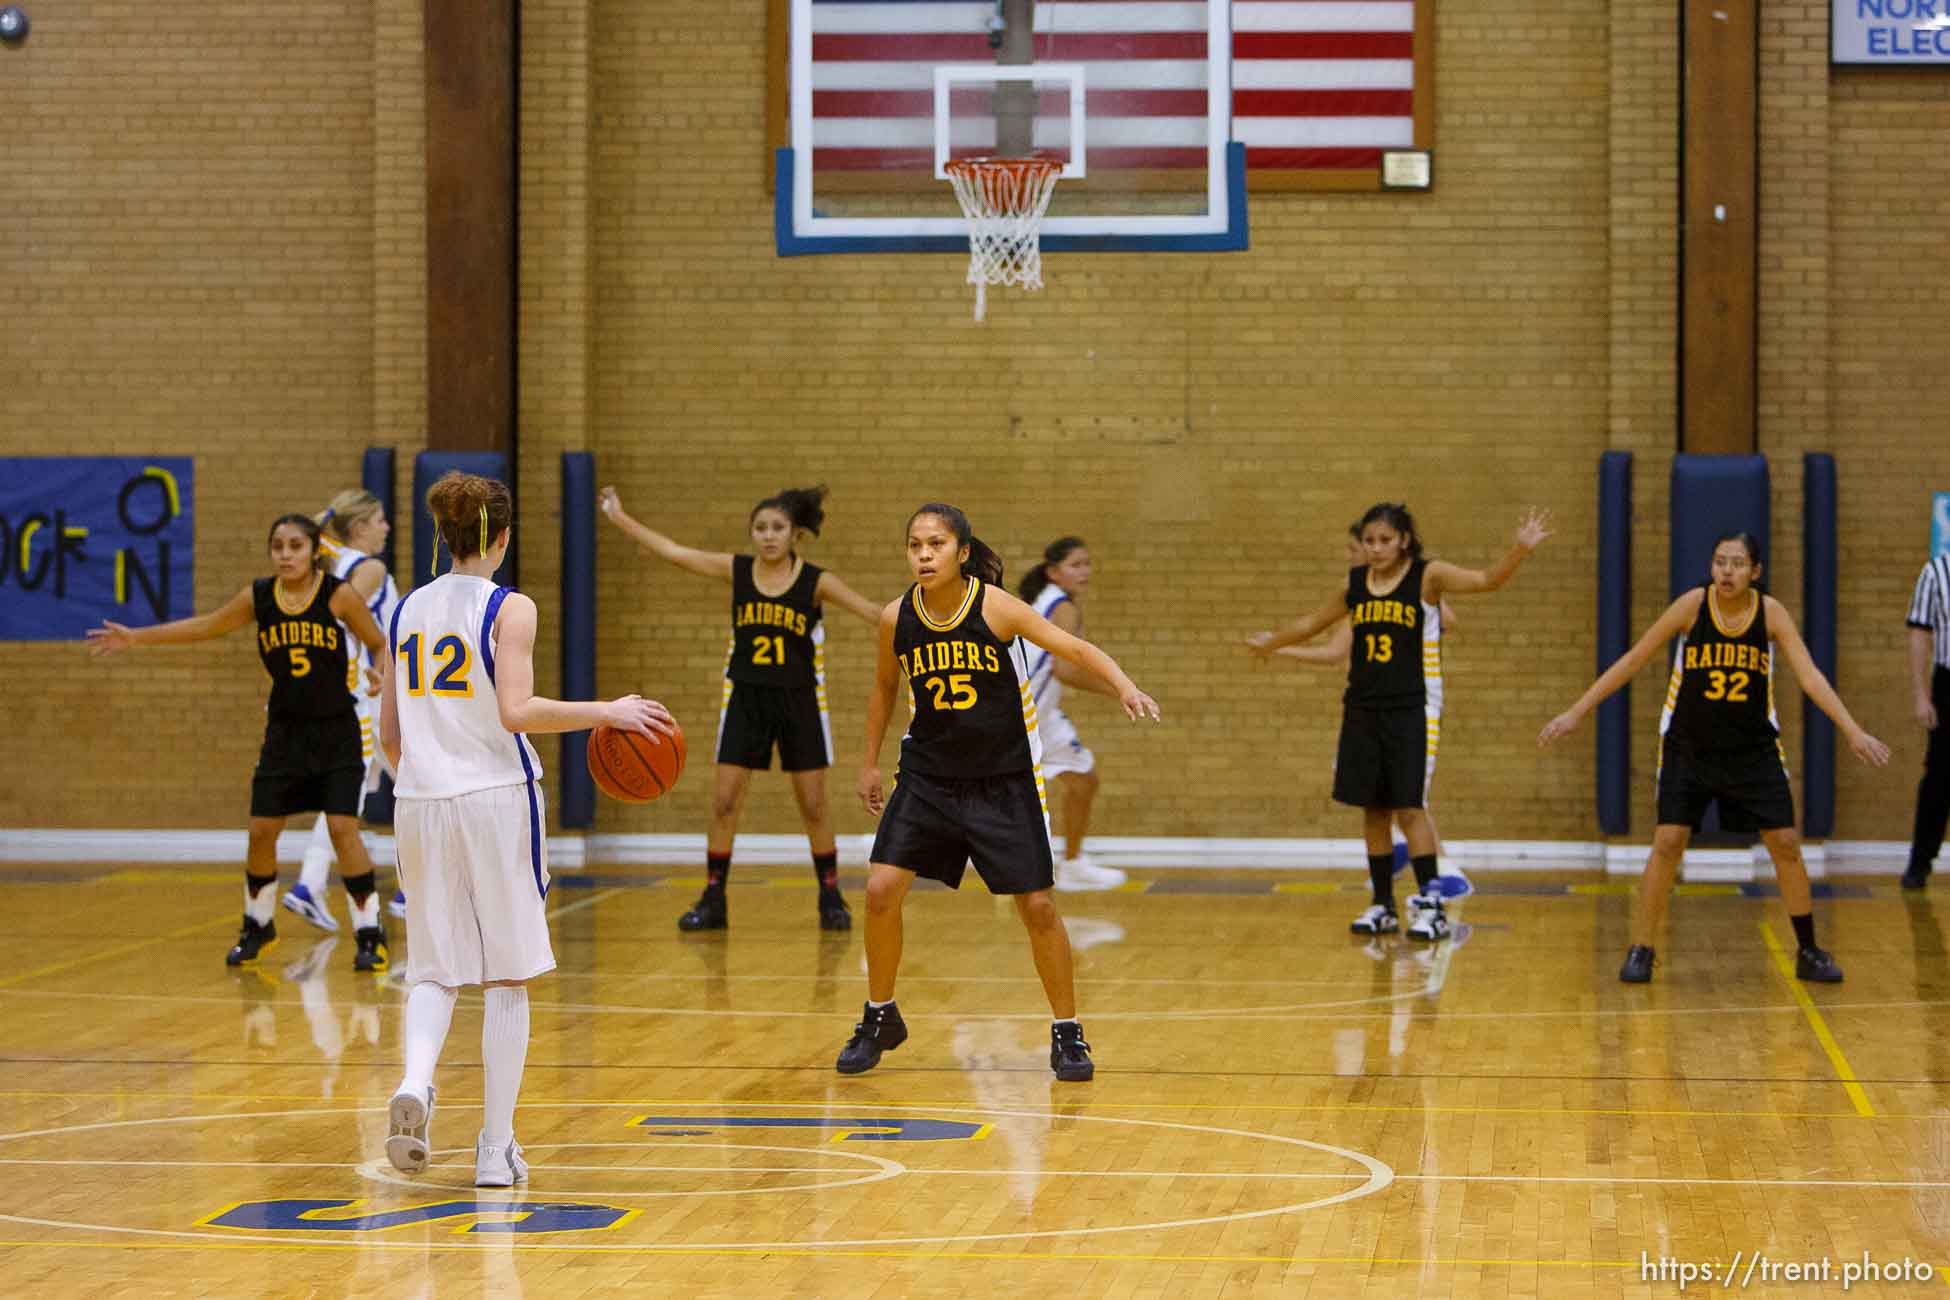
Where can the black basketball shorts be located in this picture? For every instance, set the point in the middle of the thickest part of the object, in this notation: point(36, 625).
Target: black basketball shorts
point(934, 827)
point(1750, 784)
point(755, 718)
point(1386, 757)
point(310, 765)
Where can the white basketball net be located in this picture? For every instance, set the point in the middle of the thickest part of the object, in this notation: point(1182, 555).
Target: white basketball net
point(1004, 200)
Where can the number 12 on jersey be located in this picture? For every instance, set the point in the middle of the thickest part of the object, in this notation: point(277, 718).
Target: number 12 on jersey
point(450, 662)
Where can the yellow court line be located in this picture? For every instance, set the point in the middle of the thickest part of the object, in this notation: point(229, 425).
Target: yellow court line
point(1826, 1039)
point(53, 968)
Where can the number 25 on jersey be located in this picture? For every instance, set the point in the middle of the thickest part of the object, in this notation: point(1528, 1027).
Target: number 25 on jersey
point(450, 666)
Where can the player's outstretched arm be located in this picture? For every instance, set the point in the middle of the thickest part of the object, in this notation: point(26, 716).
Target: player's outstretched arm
point(524, 711)
point(1331, 653)
point(1304, 628)
point(227, 617)
point(707, 564)
point(1009, 617)
point(1444, 578)
point(880, 708)
point(1787, 638)
point(830, 588)
point(1678, 617)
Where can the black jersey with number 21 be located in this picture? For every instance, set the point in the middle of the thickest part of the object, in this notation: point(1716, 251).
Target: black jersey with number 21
point(969, 688)
point(774, 639)
point(303, 650)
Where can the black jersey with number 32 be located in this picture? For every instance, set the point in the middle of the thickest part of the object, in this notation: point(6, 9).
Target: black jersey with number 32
point(970, 690)
point(1721, 695)
point(303, 649)
point(1386, 665)
point(775, 640)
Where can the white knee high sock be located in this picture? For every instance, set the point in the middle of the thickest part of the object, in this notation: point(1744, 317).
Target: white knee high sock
point(429, 1010)
point(319, 856)
point(504, 1051)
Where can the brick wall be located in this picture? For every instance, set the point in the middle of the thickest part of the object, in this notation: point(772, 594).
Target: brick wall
point(226, 259)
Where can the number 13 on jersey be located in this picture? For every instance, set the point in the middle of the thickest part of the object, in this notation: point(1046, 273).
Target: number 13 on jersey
point(450, 663)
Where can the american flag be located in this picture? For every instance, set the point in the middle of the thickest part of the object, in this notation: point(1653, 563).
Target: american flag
point(1317, 85)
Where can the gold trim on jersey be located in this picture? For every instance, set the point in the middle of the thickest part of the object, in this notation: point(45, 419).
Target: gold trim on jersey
point(967, 603)
point(1713, 610)
point(277, 593)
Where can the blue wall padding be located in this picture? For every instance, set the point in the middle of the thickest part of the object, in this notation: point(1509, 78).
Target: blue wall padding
point(1712, 495)
point(428, 466)
point(376, 476)
point(1614, 639)
point(1820, 581)
point(578, 788)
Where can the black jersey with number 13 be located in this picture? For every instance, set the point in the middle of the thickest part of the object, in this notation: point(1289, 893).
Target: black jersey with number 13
point(1385, 665)
point(303, 649)
point(969, 689)
point(774, 639)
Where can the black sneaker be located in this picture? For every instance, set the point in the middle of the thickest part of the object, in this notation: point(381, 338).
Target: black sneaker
point(1916, 877)
point(1816, 967)
point(252, 942)
point(833, 912)
point(1638, 965)
point(1069, 1055)
point(708, 913)
point(371, 954)
point(881, 1029)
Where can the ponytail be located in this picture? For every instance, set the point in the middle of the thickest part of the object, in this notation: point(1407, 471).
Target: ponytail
point(1034, 581)
point(802, 506)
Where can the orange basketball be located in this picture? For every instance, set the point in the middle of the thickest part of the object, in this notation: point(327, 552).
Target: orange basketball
point(635, 768)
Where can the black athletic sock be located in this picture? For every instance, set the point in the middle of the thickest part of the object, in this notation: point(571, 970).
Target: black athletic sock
point(827, 867)
point(1804, 929)
point(1381, 874)
point(716, 867)
point(359, 888)
point(1424, 872)
point(254, 885)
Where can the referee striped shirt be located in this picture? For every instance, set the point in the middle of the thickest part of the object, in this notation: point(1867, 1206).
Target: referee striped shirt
point(1929, 608)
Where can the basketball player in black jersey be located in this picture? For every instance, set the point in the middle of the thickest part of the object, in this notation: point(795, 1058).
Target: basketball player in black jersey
point(969, 785)
point(1720, 741)
point(774, 683)
point(312, 759)
point(1391, 717)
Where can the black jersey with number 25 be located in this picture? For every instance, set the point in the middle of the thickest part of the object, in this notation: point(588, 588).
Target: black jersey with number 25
point(1385, 664)
point(969, 689)
point(1722, 691)
point(303, 650)
point(774, 639)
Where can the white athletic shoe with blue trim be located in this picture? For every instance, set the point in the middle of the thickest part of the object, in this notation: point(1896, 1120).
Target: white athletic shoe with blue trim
point(299, 899)
point(498, 1166)
point(397, 904)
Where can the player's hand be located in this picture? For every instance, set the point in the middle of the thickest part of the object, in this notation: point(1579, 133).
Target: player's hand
point(108, 638)
point(1536, 526)
point(1138, 705)
point(634, 713)
point(609, 501)
point(1868, 748)
point(1925, 710)
point(1558, 727)
point(1260, 644)
point(871, 797)
point(374, 682)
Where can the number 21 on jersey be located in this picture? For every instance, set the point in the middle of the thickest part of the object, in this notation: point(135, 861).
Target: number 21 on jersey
point(768, 650)
point(450, 666)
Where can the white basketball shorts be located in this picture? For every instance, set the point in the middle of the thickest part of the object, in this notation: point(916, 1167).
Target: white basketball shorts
point(1062, 751)
point(475, 868)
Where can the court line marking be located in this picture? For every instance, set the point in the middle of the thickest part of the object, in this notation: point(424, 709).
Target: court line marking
point(581, 903)
point(1827, 1040)
point(54, 968)
point(1379, 1177)
point(880, 1170)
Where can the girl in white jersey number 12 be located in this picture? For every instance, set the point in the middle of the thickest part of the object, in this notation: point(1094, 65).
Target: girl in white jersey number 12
point(458, 700)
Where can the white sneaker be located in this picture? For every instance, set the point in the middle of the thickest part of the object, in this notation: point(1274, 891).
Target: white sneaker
point(408, 1116)
point(1086, 932)
point(1376, 920)
point(1427, 921)
point(1081, 875)
point(498, 1166)
point(299, 899)
point(397, 904)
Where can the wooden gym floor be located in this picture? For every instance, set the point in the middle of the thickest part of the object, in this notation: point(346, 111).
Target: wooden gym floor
point(1279, 1110)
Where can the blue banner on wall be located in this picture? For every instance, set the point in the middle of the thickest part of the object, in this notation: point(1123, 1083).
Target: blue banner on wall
point(84, 538)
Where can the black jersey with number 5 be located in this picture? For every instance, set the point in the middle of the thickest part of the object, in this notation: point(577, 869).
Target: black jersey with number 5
point(1721, 695)
point(1396, 655)
point(973, 716)
point(775, 640)
point(303, 648)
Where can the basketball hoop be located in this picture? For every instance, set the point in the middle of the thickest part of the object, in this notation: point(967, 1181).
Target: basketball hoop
point(1004, 200)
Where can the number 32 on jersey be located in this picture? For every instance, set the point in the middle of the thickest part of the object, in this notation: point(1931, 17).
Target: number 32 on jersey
point(451, 665)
